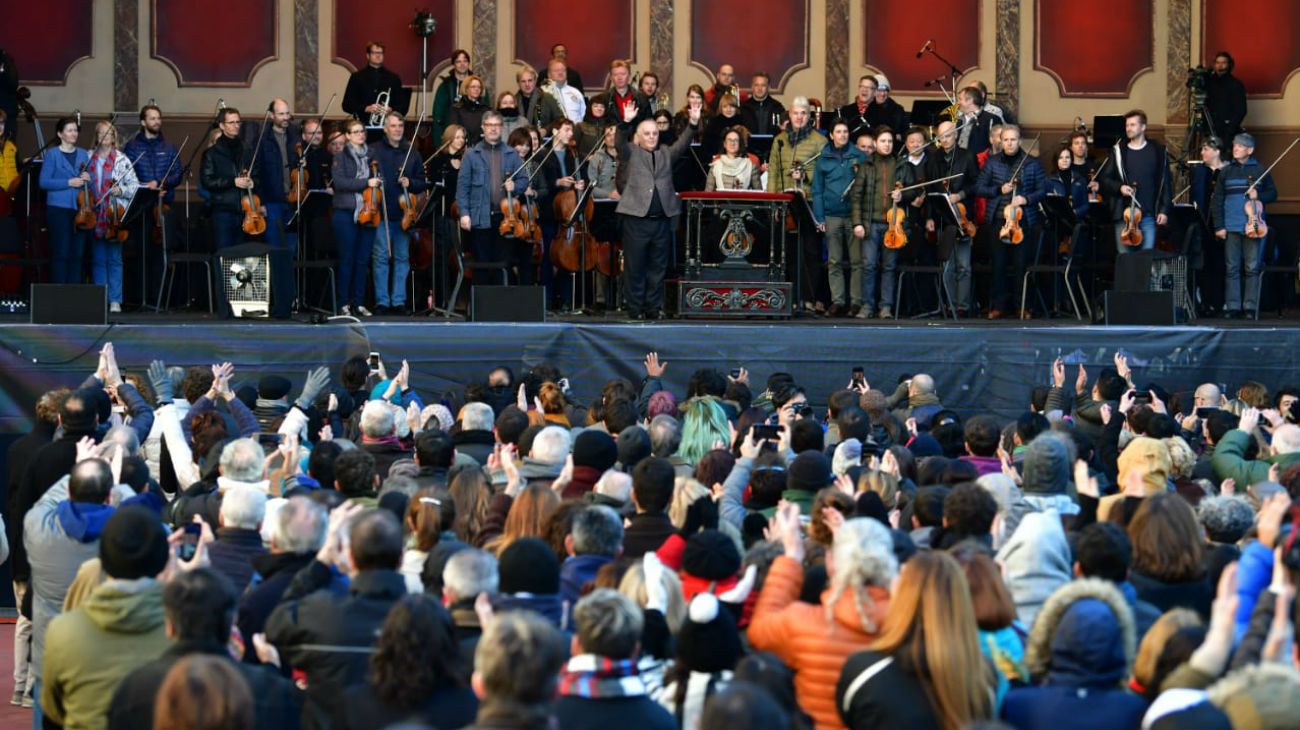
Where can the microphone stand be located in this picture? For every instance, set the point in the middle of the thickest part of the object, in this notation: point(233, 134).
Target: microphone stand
point(187, 172)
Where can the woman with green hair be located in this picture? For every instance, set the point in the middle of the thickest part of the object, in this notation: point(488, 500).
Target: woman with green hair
point(704, 426)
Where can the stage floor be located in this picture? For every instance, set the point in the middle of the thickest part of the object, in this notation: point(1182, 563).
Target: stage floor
point(978, 365)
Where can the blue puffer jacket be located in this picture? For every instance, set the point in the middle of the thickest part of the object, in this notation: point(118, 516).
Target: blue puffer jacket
point(1080, 651)
point(998, 170)
point(1228, 206)
point(152, 158)
point(473, 198)
point(55, 174)
point(835, 171)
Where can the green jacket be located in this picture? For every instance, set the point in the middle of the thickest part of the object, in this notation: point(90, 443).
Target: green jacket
point(89, 650)
point(783, 158)
point(1229, 460)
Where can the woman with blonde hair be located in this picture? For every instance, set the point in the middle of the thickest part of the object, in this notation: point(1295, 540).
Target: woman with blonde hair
point(112, 184)
point(468, 111)
point(925, 668)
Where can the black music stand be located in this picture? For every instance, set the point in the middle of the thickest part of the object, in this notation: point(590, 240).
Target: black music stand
point(802, 212)
point(760, 145)
point(929, 112)
point(145, 200)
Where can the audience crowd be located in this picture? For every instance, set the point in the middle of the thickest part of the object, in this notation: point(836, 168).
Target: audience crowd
point(195, 550)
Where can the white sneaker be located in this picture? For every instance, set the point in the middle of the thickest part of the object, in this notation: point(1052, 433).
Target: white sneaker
point(363, 311)
point(865, 313)
point(886, 313)
point(345, 311)
point(115, 307)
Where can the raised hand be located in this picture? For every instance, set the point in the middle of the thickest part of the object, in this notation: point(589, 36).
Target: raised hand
point(789, 529)
point(1058, 373)
point(653, 367)
point(1084, 483)
point(1081, 381)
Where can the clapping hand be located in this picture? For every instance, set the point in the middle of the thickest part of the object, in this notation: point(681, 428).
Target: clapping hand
point(1058, 373)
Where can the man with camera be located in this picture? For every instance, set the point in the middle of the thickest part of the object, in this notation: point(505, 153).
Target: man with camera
point(1225, 98)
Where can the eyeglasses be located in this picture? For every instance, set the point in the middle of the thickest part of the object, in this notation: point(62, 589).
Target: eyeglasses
point(491, 125)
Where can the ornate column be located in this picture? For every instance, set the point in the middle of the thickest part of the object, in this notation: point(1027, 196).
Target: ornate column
point(661, 43)
point(1007, 84)
point(484, 51)
point(837, 53)
point(306, 56)
point(126, 55)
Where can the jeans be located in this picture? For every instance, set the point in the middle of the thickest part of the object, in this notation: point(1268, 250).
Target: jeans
point(401, 246)
point(645, 255)
point(875, 256)
point(956, 278)
point(840, 238)
point(1148, 228)
point(67, 245)
point(276, 215)
point(106, 266)
point(354, 243)
point(1239, 250)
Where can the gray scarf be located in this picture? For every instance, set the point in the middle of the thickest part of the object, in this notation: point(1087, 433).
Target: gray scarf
point(362, 159)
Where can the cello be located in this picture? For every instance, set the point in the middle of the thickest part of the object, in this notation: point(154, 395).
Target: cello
point(254, 223)
point(574, 250)
point(1131, 235)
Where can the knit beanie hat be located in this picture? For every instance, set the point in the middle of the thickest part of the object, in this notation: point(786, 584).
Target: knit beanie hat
point(925, 445)
point(711, 555)
point(633, 446)
point(440, 415)
point(247, 395)
point(1151, 458)
point(133, 544)
point(708, 640)
point(596, 449)
point(809, 472)
point(273, 387)
point(1047, 466)
point(529, 565)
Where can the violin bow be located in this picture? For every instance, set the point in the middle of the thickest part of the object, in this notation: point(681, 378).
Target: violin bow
point(1270, 167)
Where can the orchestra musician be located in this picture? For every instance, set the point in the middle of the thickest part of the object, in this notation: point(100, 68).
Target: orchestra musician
point(981, 157)
point(508, 107)
point(872, 196)
point(62, 177)
point(884, 110)
point(724, 83)
point(154, 157)
point(603, 171)
point(391, 242)
point(444, 171)
point(646, 210)
point(277, 159)
point(592, 129)
point(789, 167)
point(1026, 190)
point(649, 88)
point(9, 177)
point(762, 113)
point(1081, 165)
point(734, 168)
point(487, 177)
point(113, 184)
point(560, 172)
point(225, 177)
point(976, 120)
point(569, 98)
point(1239, 183)
point(832, 183)
point(1144, 163)
point(954, 245)
point(622, 95)
point(538, 107)
point(360, 97)
point(865, 141)
point(468, 110)
point(448, 91)
point(694, 100)
point(318, 162)
point(351, 175)
point(855, 112)
point(572, 78)
point(998, 112)
point(1213, 273)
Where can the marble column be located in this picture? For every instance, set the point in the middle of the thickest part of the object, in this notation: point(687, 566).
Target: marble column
point(837, 53)
point(484, 51)
point(306, 57)
point(1007, 78)
point(1178, 58)
point(126, 55)
point(661, 44)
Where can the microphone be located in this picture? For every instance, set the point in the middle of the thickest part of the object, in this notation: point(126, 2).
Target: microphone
point(932, 82)
point(77, 114)
point(925, 48)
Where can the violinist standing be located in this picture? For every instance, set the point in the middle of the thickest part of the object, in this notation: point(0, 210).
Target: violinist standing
point(647, 208)
point(485, 179)
point(391, 242)
point(113, 184)
point(954, 245)
point(351, 172)
point(277, 160)
point(62, 177)
point(1228, 215)
point(996, 185)
point(872, 196)
point(1139, 166)
point(224, 177)
point(154, 157)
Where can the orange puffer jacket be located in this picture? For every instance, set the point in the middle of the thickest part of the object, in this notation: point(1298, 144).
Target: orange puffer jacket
point(800, 635)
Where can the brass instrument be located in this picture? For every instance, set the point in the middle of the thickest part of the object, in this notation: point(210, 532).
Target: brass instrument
point(377, 118)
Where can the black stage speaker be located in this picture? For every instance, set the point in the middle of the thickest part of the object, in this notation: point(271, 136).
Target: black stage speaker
point(69, 304)
point(507, 304)
point(1154, 308)
point(1133, 271)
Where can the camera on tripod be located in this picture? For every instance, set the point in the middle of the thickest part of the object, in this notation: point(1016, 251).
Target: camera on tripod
point(1197, 78)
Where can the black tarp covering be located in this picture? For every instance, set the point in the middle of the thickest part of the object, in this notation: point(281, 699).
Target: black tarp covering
point(977, 367)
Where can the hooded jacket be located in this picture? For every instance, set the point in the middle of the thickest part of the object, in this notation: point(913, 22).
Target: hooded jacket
point(89, 650)
point(1036, 561)
point(1080, 652)
point(1229, 460)
point(814, 647)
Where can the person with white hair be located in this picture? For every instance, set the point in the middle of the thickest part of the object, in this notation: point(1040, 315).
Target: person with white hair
point(297, 531)
point(545, 462)
point(467, 574)
point(380, 435)
point(788, 169)
point(475, 438)
point(239, 538)
point(243, 463)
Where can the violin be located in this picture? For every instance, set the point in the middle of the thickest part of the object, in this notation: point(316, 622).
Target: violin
point(1012, 214)
point(533, 230)
point(410, 203)
point(116, 230)
point(298, 178)
point(371, 199)
point(85, 219)
point(1255, 225)
point(511, 226)
point(1131, 235)
point(254, 223)
point(895, 235)
point(964, 224)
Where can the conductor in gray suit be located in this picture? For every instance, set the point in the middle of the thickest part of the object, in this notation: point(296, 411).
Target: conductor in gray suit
point(647, 208)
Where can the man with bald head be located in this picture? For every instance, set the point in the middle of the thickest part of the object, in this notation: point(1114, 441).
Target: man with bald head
point(724, 83)
point(570, 99)
point(647, 207)
point(954, 244)
point(277, 158)
point(916, 391)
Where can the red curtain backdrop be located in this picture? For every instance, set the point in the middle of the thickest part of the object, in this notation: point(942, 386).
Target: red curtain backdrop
point(728, 31)
point(357, 22)
point(1263, 37)
point(44, 39)
point(215, 44)
point(594, 31)
point(897, 29)
point(1094, 49)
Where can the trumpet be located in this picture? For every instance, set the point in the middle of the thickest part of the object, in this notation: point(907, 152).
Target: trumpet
point(377, 118)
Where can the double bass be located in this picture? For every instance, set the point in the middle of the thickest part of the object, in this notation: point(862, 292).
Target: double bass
point(574, 249)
